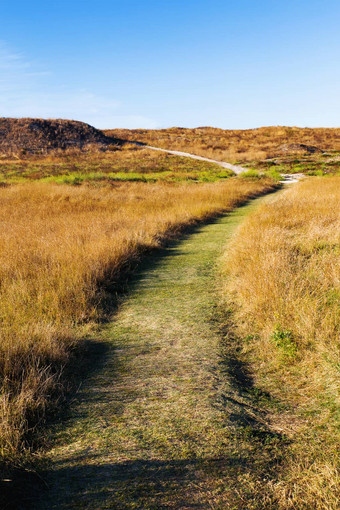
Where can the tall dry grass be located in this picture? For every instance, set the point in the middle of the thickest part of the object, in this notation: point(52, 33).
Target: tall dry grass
point(283, 280)
point(59, 245)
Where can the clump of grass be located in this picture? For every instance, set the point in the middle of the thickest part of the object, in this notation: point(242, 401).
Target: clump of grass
point(62, 249)
point(250, 174)
point(283, 280)
point(253, 174)
point(283, 339)
point(274, 174)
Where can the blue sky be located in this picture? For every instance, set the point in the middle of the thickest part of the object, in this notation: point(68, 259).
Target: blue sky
point(127, 63)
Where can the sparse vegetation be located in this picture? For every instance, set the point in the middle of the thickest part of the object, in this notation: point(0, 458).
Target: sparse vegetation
point(283, 275)
point(62, 251)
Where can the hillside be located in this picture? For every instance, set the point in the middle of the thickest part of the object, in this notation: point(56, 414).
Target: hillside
point(238, 145)
point(43, 135)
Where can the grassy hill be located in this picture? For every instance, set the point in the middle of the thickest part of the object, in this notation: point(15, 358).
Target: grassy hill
point(286, 149)
point(237, 144)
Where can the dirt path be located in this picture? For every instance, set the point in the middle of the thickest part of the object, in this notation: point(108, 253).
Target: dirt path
point(169, 420)
point(235, 168)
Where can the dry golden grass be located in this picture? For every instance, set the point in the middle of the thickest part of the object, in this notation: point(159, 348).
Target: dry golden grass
point(59, 245)
point(234, 145)
point(284, 277)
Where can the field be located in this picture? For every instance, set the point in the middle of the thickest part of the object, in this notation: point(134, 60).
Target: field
point(263, 337)
point(282, 273)
point(63, 250)
point(284, 149)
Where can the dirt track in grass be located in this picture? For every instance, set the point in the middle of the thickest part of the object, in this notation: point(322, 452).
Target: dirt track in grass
point(168, 419)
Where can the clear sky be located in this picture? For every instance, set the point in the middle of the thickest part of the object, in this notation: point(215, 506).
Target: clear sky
point(160, 63)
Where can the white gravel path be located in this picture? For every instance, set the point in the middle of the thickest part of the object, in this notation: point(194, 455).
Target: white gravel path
point(234, 168)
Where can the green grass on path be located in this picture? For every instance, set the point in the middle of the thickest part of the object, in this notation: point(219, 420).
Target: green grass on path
point(164, 423)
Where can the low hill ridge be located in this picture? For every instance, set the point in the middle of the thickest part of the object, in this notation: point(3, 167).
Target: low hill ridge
point(34, 134)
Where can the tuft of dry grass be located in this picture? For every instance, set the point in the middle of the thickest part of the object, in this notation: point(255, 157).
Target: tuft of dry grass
point(283, 283)
point(60, 248)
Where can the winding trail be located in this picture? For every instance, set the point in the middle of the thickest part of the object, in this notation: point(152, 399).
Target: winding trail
point(235, 168)
point(161, 423)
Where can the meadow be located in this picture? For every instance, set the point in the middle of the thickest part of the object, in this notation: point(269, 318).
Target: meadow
point(314, 151)
point(63, 252)
point(75, 224)
point(283, 294)
point(120, 164)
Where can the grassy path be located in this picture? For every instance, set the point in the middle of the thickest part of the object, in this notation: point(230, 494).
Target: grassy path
point(165, 422)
